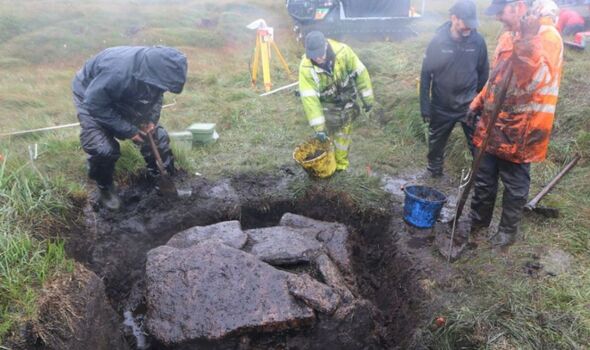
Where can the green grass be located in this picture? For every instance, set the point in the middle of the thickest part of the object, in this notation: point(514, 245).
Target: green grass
point(42, 44)
point(28, 204)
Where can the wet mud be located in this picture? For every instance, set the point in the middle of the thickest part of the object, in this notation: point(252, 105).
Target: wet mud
point(392, 262)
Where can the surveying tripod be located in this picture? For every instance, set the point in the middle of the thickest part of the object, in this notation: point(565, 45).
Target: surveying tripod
point(262, 53)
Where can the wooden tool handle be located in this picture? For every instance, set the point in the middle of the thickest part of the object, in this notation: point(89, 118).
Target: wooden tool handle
point(159, 162)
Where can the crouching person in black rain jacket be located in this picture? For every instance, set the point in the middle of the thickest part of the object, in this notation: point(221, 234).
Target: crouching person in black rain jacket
point(454, 70)
point(118, 96)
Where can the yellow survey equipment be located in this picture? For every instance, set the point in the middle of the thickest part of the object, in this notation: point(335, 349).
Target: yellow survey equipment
point(262, 53)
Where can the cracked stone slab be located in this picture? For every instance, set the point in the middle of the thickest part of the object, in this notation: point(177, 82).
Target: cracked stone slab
point(228, 232)
point(210, 291)
point(332, 277)
point(335, 237)
point(314, 294)
point(281, 245)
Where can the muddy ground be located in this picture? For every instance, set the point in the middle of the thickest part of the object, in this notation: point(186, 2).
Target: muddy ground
point(394, 265)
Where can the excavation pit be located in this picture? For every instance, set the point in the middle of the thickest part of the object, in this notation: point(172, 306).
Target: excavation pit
point(342, 280)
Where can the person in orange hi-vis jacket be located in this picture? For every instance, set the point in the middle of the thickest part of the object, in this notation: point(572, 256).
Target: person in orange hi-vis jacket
point(533, 48)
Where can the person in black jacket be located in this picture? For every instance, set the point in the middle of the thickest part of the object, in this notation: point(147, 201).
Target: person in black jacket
point(118, 95)
point(455, 68)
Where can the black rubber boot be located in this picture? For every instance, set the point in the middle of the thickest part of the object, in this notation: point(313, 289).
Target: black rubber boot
point(502, 239)
point(108, 197)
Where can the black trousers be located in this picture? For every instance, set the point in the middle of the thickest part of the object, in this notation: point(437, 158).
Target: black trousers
point(439, 130)
point(516, 179)
point(103, 149)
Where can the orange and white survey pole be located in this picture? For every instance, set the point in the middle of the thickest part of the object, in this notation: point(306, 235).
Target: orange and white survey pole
point(262, 53)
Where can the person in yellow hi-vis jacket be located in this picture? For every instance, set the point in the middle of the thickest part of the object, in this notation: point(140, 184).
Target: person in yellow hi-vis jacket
point(331, 77)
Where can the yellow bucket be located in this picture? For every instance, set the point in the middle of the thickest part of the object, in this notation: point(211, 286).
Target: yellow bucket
point(323, 165)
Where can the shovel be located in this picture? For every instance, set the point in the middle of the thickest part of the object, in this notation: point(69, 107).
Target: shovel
point(499, 100)
point(533, 206)
point(167, 187)
point(467, 181)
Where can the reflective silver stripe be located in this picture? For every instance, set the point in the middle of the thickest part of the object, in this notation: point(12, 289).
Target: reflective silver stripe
point(341, 147)
point(315, 76)
point(359, 70)
point(309, 93)
point(343, 136)
point(549, 90)
point(544, 108)
point(317, 121)
point(367, 93)
point(541, 76)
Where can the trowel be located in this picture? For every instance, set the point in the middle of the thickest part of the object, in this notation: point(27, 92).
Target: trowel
point(167, 187)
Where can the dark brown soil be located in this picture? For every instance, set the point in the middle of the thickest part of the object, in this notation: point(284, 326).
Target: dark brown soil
point(314, 155)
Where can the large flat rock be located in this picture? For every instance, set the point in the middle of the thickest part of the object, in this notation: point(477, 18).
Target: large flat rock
point(335, 237)
point(210, 291)
point(227, 232)
point(281, 245)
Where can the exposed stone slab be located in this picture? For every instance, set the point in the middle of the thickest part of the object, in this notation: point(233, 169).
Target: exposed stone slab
point(228, 232)
point(334, 235)
point(281, 245)
point(332, 276)
point(210, 291)
point(314, 294)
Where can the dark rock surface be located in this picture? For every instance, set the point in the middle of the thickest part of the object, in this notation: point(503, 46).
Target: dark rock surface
point(335, 237)
point(210, 291)
point(227, 232)
point(282, 245)
point(332, 276)
point(314, 294)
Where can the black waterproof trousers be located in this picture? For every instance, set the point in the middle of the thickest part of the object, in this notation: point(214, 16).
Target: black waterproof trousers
point(439, 130)
point(516, 179)
point(103, 149)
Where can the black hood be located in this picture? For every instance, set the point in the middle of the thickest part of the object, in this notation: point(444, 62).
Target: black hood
point(163, 67)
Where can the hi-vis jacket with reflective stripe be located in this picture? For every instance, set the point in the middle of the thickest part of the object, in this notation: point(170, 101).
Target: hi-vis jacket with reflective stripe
point(522, 130)
point(317, 86)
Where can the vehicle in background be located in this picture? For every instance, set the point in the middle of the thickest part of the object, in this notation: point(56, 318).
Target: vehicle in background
point(338, 17)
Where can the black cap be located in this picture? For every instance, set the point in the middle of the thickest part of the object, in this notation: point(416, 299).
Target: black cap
point(466, 11)
point(498, 5)
point(315, 45)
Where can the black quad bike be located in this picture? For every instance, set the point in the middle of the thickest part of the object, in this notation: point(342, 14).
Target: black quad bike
point(339, 17)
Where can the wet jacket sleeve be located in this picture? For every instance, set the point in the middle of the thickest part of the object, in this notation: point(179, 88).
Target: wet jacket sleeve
point(483, 66)
point(310, 98)
point(426, 80)
point(361, 77)
point(99, 101)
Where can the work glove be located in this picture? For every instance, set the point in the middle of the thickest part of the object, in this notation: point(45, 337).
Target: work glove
point(472, 117)
point(426, 118)
point(321, 136)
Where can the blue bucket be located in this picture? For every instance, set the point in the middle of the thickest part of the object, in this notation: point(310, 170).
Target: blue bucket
point(422, 205)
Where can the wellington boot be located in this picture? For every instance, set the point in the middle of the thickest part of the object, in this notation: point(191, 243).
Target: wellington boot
point(503, 239)
point(109, 199)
